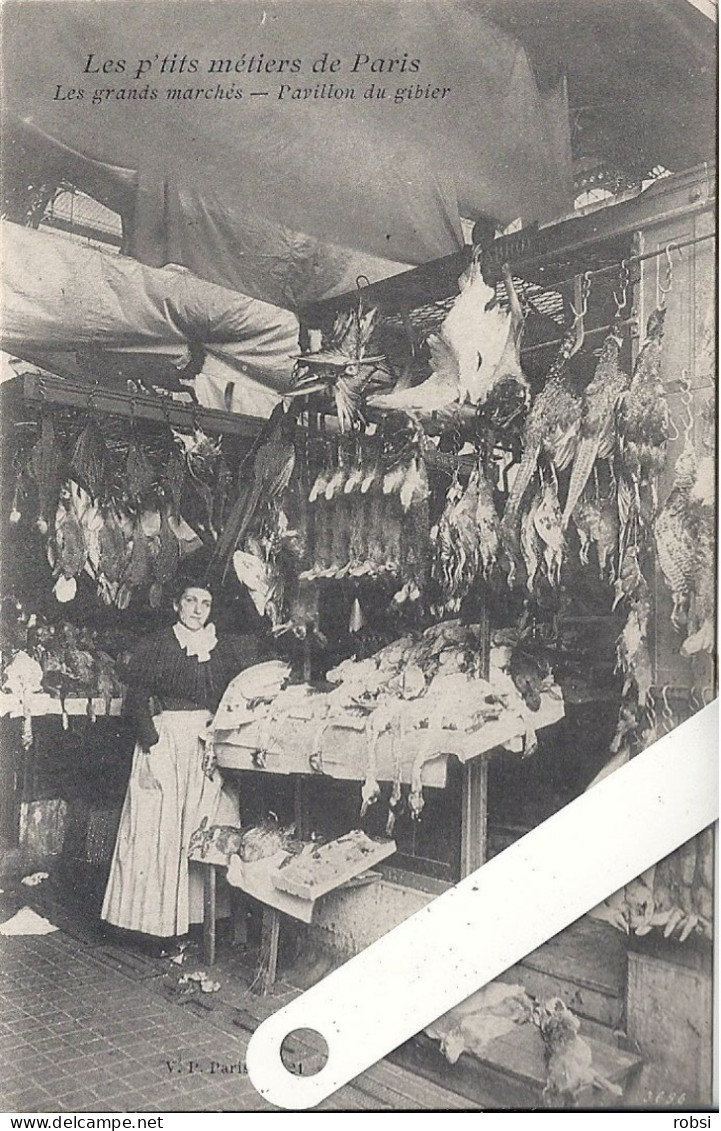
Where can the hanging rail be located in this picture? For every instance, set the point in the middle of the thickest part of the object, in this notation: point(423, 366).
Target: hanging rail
point(49, 389)
point(610, 268)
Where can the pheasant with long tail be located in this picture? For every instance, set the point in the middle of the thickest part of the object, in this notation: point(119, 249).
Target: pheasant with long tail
point(597, 438)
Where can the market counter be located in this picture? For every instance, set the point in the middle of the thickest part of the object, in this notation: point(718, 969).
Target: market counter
point(338, 748)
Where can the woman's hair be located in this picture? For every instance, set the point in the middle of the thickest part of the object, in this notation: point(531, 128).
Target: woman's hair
point(189, 582)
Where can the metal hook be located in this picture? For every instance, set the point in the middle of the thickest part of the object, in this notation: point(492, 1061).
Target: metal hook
point(665, 287)
point(624, 280)
point(687, 403)
point(667, 713)
point(582, 289)
point(708, 694)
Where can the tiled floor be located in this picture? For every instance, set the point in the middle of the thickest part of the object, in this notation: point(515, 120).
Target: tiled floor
point(90, 1025)
point(78, 1035)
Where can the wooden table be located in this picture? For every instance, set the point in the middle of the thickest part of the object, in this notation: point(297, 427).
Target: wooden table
point(282, 905)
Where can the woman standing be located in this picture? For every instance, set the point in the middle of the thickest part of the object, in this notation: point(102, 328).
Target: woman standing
point(175, 678)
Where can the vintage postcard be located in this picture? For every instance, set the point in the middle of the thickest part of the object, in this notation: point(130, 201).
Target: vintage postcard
point(358, 515)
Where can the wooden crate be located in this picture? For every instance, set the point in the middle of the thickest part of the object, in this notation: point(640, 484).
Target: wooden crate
point(669, 1016)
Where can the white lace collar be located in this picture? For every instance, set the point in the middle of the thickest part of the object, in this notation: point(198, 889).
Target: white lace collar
point(199, 643)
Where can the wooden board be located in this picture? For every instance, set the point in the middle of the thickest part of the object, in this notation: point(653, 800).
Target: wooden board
point(670, 1016)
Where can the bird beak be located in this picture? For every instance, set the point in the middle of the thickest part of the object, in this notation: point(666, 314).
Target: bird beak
point(305, 390)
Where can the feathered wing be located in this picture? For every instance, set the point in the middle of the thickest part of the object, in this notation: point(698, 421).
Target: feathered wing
point(269, 475)
point(546, 425)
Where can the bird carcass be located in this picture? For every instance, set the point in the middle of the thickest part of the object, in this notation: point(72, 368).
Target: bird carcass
point(643, 431)
point(597, 438)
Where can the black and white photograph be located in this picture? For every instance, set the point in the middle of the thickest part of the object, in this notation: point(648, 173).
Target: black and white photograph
point(358, 515)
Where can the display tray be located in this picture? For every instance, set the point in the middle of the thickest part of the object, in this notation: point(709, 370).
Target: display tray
point(258, 878)
point(315, 873)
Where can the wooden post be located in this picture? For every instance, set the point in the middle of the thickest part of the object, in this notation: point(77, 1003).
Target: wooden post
point(209, 881)
point(269, 949)
point(474, 809)
point(474, 816)
point(300, 807)
point(239, 914)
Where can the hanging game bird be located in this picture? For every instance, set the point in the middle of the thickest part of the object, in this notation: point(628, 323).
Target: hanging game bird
point(643, 430)
point(675, 546)
point(273, 456)
point(597, 439)
point(343, 368)
point(551, 427)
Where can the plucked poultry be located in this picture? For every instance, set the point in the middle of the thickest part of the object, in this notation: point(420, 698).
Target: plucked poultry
point(436, 394)
point(478, 346)
point(22, 678)
point(478, 332)
point(597, 435)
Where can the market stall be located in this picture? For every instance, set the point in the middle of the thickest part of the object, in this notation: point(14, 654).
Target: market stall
point(467, 507)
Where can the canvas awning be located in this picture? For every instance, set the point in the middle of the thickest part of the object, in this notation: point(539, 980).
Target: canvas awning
point(61, 297)
point(283, 199)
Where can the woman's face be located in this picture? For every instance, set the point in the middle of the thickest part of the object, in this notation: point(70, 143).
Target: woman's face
point(193, 608)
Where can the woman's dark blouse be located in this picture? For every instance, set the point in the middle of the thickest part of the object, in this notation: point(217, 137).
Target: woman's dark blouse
point(159, 672)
